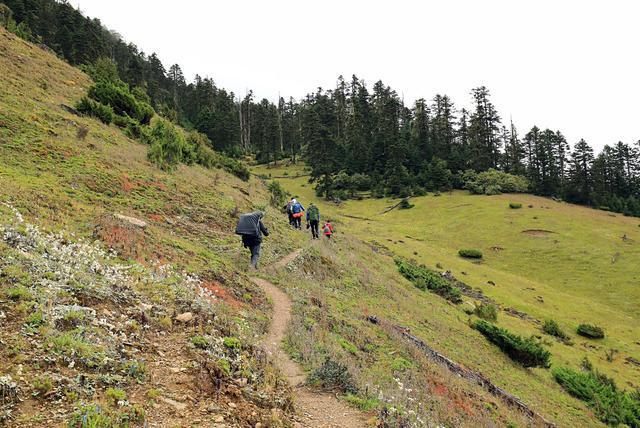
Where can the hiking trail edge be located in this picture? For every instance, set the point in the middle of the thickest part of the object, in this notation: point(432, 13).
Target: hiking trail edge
point(315, 409)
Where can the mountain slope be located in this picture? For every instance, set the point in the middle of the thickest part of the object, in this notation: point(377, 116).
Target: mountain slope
point(547, 260)
point(163, 332)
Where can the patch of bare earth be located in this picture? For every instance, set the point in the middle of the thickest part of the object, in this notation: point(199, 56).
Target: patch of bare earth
point(314, 408)
point(537, 232)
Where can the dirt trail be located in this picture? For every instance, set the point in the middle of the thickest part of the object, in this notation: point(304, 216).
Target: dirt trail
point(321, 410)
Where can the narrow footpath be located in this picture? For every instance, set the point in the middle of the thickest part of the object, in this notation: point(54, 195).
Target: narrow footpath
point(315, 409)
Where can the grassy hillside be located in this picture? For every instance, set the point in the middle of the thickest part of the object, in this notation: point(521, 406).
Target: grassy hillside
point(139, 330)
point(84, 326)
point(548, 260)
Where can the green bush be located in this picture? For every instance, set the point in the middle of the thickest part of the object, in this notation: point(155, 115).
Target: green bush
point(486, 311)
point(203, 154)
point(591, 331)
point(470, 253)
point(553, 329)
point(278, 197)
point(168, 146)
point(426, 279)
point(118, 96)
point(333, 375)
point(525, 351)
point(95, 109)
point(493, 182)
point(515, 205)
point(610, 404)
point(405, 204)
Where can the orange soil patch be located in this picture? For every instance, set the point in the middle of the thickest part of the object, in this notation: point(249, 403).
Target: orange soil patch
point(156, 217)
point(217, 290)
point(127, 185)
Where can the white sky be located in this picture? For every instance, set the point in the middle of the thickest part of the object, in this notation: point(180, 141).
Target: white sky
point(562, 64)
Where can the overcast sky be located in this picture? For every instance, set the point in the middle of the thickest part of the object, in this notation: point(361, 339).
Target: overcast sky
point(562, 64)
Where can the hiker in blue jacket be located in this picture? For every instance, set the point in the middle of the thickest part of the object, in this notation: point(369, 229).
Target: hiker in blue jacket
point(297, 209)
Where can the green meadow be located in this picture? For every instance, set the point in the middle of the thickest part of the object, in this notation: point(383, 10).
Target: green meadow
point(548, 259)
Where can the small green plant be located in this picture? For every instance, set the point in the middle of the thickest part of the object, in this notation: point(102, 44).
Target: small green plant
point(232, 343)
point(200, 342)
point(114, 395)
point(591, 331)
point(525, 351)
point(552, 328)
point(400, 364)
point(515, 205)
point(134, 369)
point(18, 293)
point(486, 311)
point(366, 404)
point(470, 254)
point(36, 319)
point(347, 346)
point(333, 375)
point(42, 385)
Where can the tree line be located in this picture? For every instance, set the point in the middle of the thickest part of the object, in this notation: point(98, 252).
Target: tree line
point(354, 137)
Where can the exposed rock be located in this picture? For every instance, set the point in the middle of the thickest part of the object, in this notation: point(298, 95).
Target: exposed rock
point(131, 220)
point(185, 317)
point(175, 404)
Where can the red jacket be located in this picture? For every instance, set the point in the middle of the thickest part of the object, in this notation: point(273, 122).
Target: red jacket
point(327, 229)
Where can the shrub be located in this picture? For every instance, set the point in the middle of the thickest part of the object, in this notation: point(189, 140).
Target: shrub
point(168, 145)
point(400, 364)
point(470, 254)
point(405, 204)
point(493, 182)
point(278, 197)
point(553, 329)
point(426, 279)
point(333, 375)
point(95, 109)
point(525, 351)
point(118, 96)
point(610, 404)
point(515, 205)
point(591, 331)
point(486, 311)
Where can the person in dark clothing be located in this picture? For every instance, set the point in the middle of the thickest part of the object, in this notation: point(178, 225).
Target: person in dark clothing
point(313, 220)
point(251, 228)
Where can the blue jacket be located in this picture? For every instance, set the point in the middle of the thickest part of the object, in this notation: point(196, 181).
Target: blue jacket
point(296, 208)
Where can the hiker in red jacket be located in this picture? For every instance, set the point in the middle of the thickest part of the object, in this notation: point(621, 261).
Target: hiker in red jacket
point(327, 229)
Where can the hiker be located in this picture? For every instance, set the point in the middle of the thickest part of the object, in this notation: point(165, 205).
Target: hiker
point(297, 209)
point(251, 229)
point(327, 229)
point(313, 220)
point(289, 211)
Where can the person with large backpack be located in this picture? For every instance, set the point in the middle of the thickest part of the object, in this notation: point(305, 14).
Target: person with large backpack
point(251, 229)
point(289, 211)
point(327, 229)
point(297, 209)
point(313, 220)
